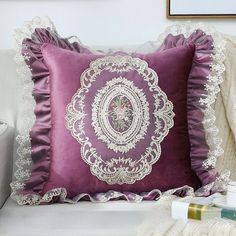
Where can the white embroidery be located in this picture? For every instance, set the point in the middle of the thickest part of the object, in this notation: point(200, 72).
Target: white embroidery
point(129, 115)
point(23, 162)
point(122, 169)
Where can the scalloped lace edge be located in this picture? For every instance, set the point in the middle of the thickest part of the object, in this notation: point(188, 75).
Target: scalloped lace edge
point(23, 161)
point(60, 195)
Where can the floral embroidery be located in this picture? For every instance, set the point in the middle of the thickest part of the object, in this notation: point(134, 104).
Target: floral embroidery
point(120, 118)
point(120, 114)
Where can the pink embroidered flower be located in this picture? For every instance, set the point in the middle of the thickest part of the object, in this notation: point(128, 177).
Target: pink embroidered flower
point(120, 112)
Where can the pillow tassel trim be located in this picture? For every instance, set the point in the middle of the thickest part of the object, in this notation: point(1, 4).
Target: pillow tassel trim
point(23, 162)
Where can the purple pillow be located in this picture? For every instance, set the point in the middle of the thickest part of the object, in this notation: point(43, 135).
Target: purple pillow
point(118, 122)
point(51, 180)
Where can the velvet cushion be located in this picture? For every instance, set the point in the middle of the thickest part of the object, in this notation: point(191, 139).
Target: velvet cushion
point(41, 136)
point(106, 163)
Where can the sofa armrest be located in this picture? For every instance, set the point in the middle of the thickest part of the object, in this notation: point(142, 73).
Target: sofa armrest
point(6, 153)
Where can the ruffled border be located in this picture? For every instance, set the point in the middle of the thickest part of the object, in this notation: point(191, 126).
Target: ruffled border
point(24, 162)
point(58, 195)
point(41, 130)
point(206, 102)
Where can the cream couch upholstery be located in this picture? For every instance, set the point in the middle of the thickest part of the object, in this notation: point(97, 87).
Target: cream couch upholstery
point(9, 87)
point(6, 153)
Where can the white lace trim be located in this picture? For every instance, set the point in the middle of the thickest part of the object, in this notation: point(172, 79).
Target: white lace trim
point(23, 161)
point(60, 195)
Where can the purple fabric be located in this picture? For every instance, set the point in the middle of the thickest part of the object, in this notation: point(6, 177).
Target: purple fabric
point(68, 170)
point(40, 134)
point(196, 90)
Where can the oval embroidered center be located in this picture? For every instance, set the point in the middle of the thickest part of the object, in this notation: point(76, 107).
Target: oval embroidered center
point(119, 116)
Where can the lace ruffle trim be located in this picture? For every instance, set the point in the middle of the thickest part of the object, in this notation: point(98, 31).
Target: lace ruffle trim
point(23, 162)
point(59, 195)
point(212, 88)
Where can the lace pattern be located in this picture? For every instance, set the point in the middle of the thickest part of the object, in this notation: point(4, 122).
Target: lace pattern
point(120, 169)
point(23, 162)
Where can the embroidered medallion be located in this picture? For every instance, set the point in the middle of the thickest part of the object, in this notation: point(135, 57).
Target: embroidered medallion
point(119, 116)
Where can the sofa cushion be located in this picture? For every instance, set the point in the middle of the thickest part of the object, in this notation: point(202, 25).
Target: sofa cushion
point(84, 218)
point(203, 160)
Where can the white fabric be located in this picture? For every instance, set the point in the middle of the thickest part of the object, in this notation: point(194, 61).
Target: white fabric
point(117, 218)
point(6, 141)
point(9, 104)
point(9, 87)
point(228, 89)
point(225, 108)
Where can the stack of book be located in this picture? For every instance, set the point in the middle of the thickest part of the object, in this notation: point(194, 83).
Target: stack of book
point(187, 210)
